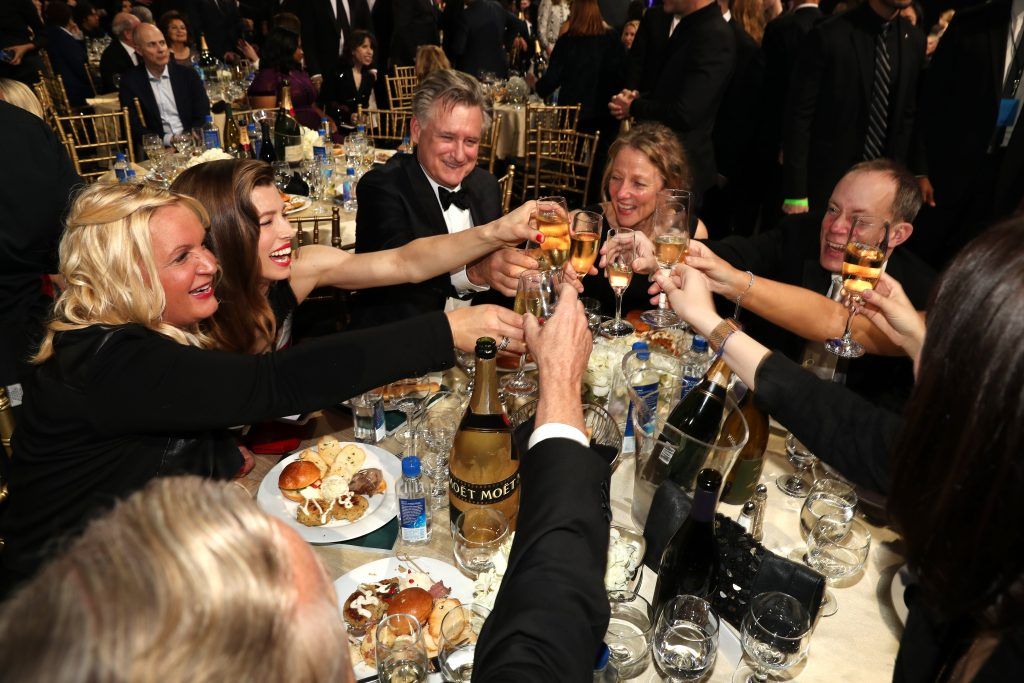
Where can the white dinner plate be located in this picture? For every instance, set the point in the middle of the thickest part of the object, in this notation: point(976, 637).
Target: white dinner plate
point(461, 586)
point(900, 580)
point(296, 203)
point(383, 507)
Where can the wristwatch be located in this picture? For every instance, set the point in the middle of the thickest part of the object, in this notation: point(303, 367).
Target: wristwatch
point(722, 332)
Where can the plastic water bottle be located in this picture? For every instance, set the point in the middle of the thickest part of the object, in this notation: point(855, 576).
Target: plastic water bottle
point(645, 383)
point(254, 140)
point(211, 134)
point(413, 511)
point(696, 362)
point(320, 148)
point(348, 194)
point(406, 146)
point(120, 167)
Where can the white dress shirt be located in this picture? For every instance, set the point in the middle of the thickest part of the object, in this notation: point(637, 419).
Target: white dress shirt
point(456, 220)
point(169, 117)
point(557, 430)
point(348, 15)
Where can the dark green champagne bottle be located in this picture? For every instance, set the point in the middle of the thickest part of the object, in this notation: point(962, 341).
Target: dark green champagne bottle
point(746, 471)
point(207, 62)
point(267, 151)
point(287, 133)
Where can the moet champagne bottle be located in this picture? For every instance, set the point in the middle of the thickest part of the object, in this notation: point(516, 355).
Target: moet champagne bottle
point(746, 471)
point(207, 62)
point(483, 472)
point(287, 133)
point(699, 416)
point(689, 563)
point(235, 138)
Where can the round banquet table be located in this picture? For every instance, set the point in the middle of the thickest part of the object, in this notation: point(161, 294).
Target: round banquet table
point(858, 643)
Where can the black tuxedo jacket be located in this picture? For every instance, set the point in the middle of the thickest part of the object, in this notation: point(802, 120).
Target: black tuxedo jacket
point(219, 20)
point(736, 124)
point(696, 70)
point(551, 613)
point(478, 36)
point(396, 206)
point(647, 56)
point(783, 39)
point(115, 60)
point(322, 31)
point(414, 23)
point(67, 54)
point(827, 111)
point(189, 95)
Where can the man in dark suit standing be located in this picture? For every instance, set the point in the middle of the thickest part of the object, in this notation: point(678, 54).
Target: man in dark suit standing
point(480, 34)
point(414, 23)
point(852, 98)
point(66, 48)
point(120, 55)
point(435, 191)
point(971, 159)
point(172, 96)
point(647, 55)
point(694, 74)
point(326, 25)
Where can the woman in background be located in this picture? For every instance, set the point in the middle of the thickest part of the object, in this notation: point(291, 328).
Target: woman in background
point(551, 14)
point(629, 33)
point(430, 58)
point(179, 41)
point(282, 60)
point(353, 87)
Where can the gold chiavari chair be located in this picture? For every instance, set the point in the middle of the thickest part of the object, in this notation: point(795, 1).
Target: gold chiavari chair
point(401, 90)
point(386, 127)
point(54, 84)
point(563, 162)
point(505, 186)
point(6, 432)
point(405, 71)
point(540, 116)
point(94, 139)
point(486, 155)
point(91, 78)
point(307, 233)
point(49, 111)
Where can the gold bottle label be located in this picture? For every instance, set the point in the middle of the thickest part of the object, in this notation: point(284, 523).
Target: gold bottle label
point(483, 494)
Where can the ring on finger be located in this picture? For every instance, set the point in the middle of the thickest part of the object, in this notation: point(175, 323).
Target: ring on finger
point(503, 344)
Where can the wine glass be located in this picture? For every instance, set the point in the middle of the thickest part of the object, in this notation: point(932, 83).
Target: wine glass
point(671, 233)
point(153, 145)
point(630, 630)
point(685, 639)
point(837, 547)
point(802, 459)
point(536, 294)
point(313, 174)
point(438, 429)
point(400, 651)
point(827, 497)
point(477, 535)
point(405, 395)
point(282, 175)
point(863, 263)
point(619, 271)
point(553, 223)
point(776, 635)
point(585, 236)
point(460, 629)
point(183, 143)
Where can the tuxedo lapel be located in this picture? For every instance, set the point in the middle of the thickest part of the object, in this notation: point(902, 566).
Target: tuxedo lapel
point(148, 101)
point(425, 200)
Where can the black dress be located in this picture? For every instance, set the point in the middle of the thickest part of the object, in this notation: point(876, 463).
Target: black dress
point(588, 71)
point(340, 98)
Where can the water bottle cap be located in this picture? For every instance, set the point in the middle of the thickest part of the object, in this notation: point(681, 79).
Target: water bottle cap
point(209, 118)
point(350, 171)
point(410, 466)
point(641, 346)
point(602, 658)
point(699, 343)
point(131, 172)
point(120, 156)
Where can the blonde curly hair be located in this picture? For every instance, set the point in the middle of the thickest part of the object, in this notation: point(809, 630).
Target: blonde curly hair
point(106, 260)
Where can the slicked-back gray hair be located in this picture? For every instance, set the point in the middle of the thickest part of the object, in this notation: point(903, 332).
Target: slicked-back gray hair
point(449, 88)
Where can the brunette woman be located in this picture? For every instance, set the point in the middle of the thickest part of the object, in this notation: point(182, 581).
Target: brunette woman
point(353, 87)
point(282, 60)
point(179, 40)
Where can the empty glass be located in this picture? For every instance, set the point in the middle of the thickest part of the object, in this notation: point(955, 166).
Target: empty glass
point(282, 175)
point(405, 395)
point(837, 547)
point(685, 639)
point(401, 654)
point(460, 630)
point(776, 635)
point(477, 534)
point(802, 459)
point(629, 633)
point(438, 429)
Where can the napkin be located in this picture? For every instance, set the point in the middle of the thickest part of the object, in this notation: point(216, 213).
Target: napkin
point(383, 538)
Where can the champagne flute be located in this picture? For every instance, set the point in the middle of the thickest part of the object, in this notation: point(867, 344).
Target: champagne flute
point(837, 547)
point(619, 271)
point(536, 294)
point(863, 264)
point(553, 223)
point(585, 236)
point(671, 233)
point(282, 175)
point(776, 635)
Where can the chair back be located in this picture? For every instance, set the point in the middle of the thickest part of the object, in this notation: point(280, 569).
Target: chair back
point(93, 141)
point(6, 423)
point(401, 90)
point(54, 85)
point(386, 127)
point(46, 102)
point(540, 116)
point(563, 161)
point(505, 186)
point(405, 71)
point(487, 153)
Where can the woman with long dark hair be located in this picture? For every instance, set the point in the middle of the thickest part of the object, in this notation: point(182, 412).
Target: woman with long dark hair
point(282, 60)
point(353, 87)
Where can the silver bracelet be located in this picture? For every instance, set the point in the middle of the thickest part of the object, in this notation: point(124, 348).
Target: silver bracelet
point(739, 298)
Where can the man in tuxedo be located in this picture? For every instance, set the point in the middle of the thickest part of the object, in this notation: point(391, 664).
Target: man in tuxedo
point(852, 97)
point(971, 155)
point(479, 35)
point(172, 96)
point(693, 76)
point(120, 55)
point(437, 190)
point(414, 23)
point(326, 25)
point(66, 48)
point(650, 44)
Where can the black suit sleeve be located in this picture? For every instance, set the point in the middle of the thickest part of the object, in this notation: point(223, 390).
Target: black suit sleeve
point(637, 54)
point(199, 102)
point(808, 79)
point(839, 426)
point(127, 94)
point(151, 385)
point(381, 219)
point(551, 612)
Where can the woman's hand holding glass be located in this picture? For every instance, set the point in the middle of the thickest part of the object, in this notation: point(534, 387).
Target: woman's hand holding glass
point(689, 295)
point(892, 312)
point(516, 227)
point(469, 323)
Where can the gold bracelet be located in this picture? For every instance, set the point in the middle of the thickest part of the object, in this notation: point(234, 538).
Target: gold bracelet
point(721, 333)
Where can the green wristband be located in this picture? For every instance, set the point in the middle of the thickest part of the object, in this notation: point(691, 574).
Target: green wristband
point(802, 203)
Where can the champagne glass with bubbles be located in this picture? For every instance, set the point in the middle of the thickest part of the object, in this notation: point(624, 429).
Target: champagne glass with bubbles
point(585, 235)
point(863, 264)
point(553, 223)
point(618, 269)
point(536, 294)
point(671, 233)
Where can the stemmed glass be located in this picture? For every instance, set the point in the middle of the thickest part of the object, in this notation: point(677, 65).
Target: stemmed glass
point(460, 629)
point(282, 175)
point(827, 497)
point(685, 639)
point(802, 459)
point(585, 235)
point(313, 174)
point(153, 146)
point(863, 263)
point(477, 535)
point(536, 294)
point(438, 429)
point(671, 233)
point(776, 635)
point(400, 651)
point(619, 271)
point(837, 547)
point(553, 223)
point(183, 143)
point(630, 630)
point(405, 395)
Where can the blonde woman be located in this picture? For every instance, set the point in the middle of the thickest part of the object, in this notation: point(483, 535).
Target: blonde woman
point(430, 58)
point(551, 15)
point(20, 95)
point(125, 388)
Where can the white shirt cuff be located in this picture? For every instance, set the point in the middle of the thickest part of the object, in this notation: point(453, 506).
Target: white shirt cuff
point(462, 285)
point(557, 430)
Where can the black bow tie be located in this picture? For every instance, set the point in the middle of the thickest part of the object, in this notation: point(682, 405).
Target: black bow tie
point(447, 197)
